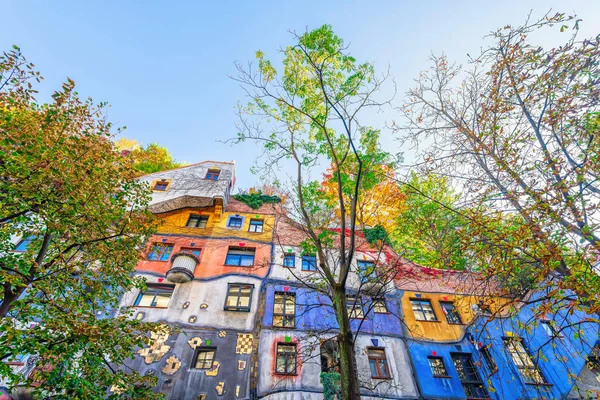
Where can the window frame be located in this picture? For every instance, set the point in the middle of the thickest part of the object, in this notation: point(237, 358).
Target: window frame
point(528, 365)
point(286, 361)
point(382, 301)
point(432, 367)
point(550, 330)
point(371, 357)
point(162, 253)
point(261, 225)
point(289, 256)
point(161, 183)
point(422, 300)
point(486, 355)
point(238, 308)
point(240, 257)
point(205, 349)
point(201, 218)
point(191, 250)
point(471, 385)
point(235, 217)
point(284, 315)
point(354, 310)
point(305, 261)
point(26, 241)
point(156, 288)
point(212, 174)
point(454, 312)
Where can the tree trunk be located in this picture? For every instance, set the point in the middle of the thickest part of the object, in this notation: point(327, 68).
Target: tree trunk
point(10, 296)
point(348, 368)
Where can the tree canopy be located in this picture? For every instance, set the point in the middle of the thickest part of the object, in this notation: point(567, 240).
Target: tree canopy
point(149, 159)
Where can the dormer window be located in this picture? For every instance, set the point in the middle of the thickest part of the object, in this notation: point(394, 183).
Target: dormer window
point(161, 185)
point(213, 174)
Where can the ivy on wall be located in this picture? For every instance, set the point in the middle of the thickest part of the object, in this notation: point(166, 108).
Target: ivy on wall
point(375, 234)
point(332, 385)
point(256, 199)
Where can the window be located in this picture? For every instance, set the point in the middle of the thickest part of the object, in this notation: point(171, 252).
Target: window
point(286, 359)
point(528, 369)
point(309, 263)
point(240, 257)
point(161, 186)
point(593, 363)
point(23, 245)
point(354, 307)
point(550, 329)
point(378, 363)
point(330, 355)
point(452, 315)
point(160, 252)
point(422, 310)
point(485, 310)
point(289, 260)
point(197, 221)
point(213, 174)
point(235, 222)
point(205, 357)
point(438, 369)
point(239, 297)
point(256, 225)
point(380, 306)
point(469, 376)
point(284, 310)
point(157, 296)
point(191, 250)
point(489, 360)
point(366, 270)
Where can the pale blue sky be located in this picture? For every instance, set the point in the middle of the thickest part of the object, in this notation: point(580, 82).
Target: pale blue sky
point(163, 66)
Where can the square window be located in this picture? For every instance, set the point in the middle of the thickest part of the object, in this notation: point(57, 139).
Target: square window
point(239, 297)
point(452, 315)
point(423, 310)
point(286, 359)
point(354, 306)
point(23, 244)
point(309, 263)
point(197, 221)
point(213, 174)
point(155, 296)
point(284, 310)
point(378, 363)
point(256, 225)
point(160, 252)
point(204, 358)
point(191, 250)
point(289, 260)
point(380, 306)
point(161, 186)
point(240, 257)
point(469, 376)
point(437, 366)
point(235, 222)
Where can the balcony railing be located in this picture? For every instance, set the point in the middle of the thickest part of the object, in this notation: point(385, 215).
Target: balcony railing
point(183, 266)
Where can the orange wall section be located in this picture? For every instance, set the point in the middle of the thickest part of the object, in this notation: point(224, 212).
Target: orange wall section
point(213, 252)
point(441, 330)
point(174, 223)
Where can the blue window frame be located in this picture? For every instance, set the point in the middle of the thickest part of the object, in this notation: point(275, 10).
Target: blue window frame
point(309, 263)
point(256, 225)
point(240, 257)
point(235, 222)
point(160, 252)
point(289, 260)
point(23, 245)
point(213, 174)
point(366, 270)
point(191, 250)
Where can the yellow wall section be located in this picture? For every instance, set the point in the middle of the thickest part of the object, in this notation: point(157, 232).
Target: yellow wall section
point(175, 221)
point(441, 330)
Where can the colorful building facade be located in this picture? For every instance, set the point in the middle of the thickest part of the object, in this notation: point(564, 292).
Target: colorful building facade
point(235, 284)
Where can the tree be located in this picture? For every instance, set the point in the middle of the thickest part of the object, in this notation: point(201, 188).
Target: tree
point(426, 230)
point(518, 132)
point(70, 223)
point(149, 159)
point(313, 107)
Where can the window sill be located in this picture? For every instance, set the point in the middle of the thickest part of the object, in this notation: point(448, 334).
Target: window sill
point(539, 384)
point(424, 320)
point(284, 327)
point(237, 309)
point(456, 323)
point(241, 266)
point(15, 363)
point(442, 376)
point(159, 308)
point(282, 374)
point(385, 378)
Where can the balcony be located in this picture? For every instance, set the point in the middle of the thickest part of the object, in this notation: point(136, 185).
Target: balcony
point(183, 266)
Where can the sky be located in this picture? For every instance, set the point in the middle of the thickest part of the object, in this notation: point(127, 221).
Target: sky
point(165, 66)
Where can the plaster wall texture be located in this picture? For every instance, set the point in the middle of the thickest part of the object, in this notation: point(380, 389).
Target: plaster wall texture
point(278, 271)
point(308, 373)
point(185, 382)
point(199, 293)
